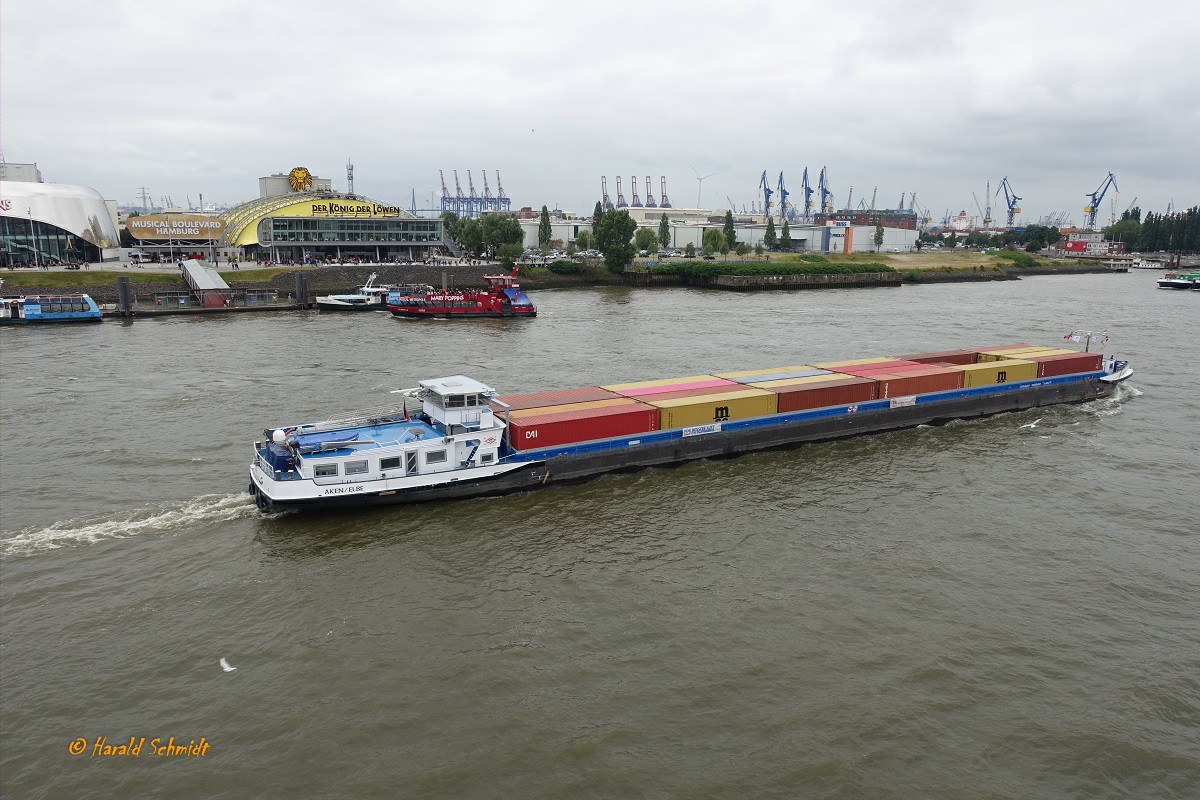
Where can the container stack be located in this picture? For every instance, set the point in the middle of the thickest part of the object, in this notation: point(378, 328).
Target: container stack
point(569, 416)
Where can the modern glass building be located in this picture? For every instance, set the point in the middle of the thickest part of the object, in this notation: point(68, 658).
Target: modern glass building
point(52, 222)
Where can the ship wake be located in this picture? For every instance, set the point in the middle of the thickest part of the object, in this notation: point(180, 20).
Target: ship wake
point(122, 525)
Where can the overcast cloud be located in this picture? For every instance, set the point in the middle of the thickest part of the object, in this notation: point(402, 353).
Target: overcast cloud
point(935, 98)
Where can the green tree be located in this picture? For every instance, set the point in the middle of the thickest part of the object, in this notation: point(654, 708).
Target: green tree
point(469, 235)
point(612, 238)
point(544, 230)
point(498, 229)
point(758, 249)
point(645, 239)
point(878, 238)
point(712, 241)
point(952, 240)
point(785, 238)
point(508, 253)
point(664, 232)
point(583, 239)
point(742, 249)
point(730, 232)
point(597, 215)
point(689, 250)
point(770, 239)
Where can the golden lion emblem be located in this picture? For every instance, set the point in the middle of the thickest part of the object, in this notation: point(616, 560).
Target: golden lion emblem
point(300, 178)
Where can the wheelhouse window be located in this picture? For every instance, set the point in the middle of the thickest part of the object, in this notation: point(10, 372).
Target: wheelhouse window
point(356, 467)
point(389, 463)
point(435, 457)
point(325, 470)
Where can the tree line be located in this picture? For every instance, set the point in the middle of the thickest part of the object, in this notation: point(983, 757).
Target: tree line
point(1178, 232)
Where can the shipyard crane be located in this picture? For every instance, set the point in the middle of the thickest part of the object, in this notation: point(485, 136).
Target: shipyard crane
point(784, 205)
point(503, 201)
point(475, 206)
point(850, 199)
point(649, 195)
point(1010, 199)
point(732, 207)
point(901, 206)
point(826, 194)
point(767, 192)
point(808, 193)
point(447, 200)
point(488, 204)
point(637, 201)
point(663, 200)
point(977, 206)
point(459, 200)
point(1096, 196)
point(987, 206)
point(873, 193)
point(605, 203)
point(620, 195)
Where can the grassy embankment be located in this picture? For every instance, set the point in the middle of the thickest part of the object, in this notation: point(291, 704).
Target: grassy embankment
point(66, 279)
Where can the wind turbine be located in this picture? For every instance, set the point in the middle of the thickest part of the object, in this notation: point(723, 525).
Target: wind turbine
point(700, 183)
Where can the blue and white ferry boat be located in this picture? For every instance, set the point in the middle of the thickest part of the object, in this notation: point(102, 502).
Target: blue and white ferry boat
point(34, 309)
point(454, 438)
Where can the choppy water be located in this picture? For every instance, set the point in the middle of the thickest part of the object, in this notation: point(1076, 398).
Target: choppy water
point(975, 610)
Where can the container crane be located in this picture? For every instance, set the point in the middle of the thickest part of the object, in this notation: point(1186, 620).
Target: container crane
point(488, 203)
point(605, 203)
point(649, 195)
point(476, 206)
point(620, 195)
point(1096, 196)
point(663, 200)
point(1010, 199)
point(767, 192)
point(784, 205)
point(447, 200)
point(808, 193)
point(503, 201)
point(460, 206)
point(637, 201)
point(826, 194)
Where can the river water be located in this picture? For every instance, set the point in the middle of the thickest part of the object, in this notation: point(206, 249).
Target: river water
point(983, 609)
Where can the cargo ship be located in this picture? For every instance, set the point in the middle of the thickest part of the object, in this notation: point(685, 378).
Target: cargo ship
point(456, 437)
point(502, 298)
point(1180, 280)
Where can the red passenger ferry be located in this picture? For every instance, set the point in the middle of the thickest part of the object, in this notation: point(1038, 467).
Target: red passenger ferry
point(502, 298)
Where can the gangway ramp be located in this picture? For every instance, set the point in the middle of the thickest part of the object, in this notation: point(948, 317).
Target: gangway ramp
point(206, 283)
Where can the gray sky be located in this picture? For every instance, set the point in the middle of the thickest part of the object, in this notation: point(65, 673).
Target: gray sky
point(935, 98)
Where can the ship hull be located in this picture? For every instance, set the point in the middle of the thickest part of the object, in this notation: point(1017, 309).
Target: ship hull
point(568, 464)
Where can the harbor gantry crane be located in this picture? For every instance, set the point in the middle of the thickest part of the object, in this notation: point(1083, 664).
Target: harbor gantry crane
point(1096, 196)
point(767, 192)
point(987, 206)
point(460, 202)
point(620, 195)
point(447, 200)
point(605, 203)
point(1010, 200)
point(826, 194)
point(808, 193)
point(784, 205)
point(637, 201)
point(473, 199)
point(503, 201)
point(488, 203)
point(649, 195)
point(901, 206)
point(663, 200)
point(977, 206)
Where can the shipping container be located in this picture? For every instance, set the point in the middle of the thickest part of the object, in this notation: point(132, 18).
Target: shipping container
point(544, 410)
point(922, 381)
point(1070, 363)
point(648, 388)
point(820, 393)
point(569, 427)
point(701, 392)
point(779, 375)
point(944, 357)
point(684, 412)
point(857, 362)
point(556, 397)
point(735, 376)
point(873, 369)
point(994, 372)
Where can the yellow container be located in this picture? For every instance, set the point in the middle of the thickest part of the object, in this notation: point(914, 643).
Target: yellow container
point(1047, 351)
point(537, 412)
point(617, 387)
point(854, 363)
point(994, 372)
point(729, 376)
point(833, 376)
point(684, 412)
point(986, 356)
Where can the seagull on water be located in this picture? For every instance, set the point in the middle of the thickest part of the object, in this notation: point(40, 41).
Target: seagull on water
point(225, 665)
point(1032, 424)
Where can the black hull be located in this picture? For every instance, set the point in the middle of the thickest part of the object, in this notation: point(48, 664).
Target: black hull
point(570, 468)
point(461, 314)
point(68, 321)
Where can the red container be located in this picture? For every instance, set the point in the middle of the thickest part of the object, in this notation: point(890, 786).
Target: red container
point(569, 427)
point(944, 357)
point(656, 392)
point(930, 379)
point(878, 369)
point(833, 392)
point(1065, 363)
point(654, 398)
point(557, 397)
